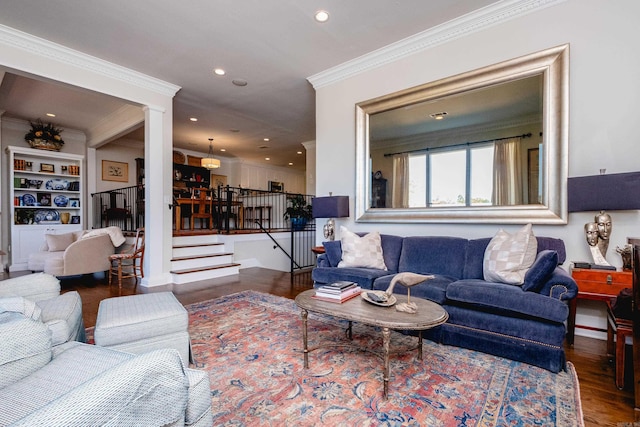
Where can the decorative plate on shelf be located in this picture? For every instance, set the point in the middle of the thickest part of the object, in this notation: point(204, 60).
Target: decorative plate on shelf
point(46, 215)
point(178, 157)
point(29, 199)
point(57, 184)
point(61, 201)
point(378, 298)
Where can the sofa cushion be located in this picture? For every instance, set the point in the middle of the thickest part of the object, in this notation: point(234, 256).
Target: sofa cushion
point(509, 256)
point(433, 289)
point(502, 298)
point(20, 305)
point(364, 277)
point(542, 268)
point(391, 247)
point(365, 251)
point(333, 250)
point(433, 255)
point(59, 242)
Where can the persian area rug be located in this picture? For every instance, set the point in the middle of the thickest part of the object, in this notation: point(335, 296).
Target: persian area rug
point(251, 344)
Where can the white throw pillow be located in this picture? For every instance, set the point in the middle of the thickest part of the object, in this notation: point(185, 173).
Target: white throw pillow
point(59, 242)
point(365, 251)
point(509, 256)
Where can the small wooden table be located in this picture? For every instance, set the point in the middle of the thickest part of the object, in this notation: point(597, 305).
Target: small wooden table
point(357, 309)
point(598, 285)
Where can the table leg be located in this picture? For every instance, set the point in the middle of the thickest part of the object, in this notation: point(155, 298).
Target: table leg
point(176, 208)
point(571, 321)
point(305, 315)
point(350, 330)
point(420, 345)
point(386, 336)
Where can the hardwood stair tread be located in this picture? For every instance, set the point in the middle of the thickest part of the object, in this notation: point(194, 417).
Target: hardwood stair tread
point(185, 258)
point(195, 270)
point(196, 245)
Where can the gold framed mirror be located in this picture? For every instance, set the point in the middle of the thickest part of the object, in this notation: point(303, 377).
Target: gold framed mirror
point(489, 145)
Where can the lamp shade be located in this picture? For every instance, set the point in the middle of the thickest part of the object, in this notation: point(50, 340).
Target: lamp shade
point(330, 207)
point(619, 191)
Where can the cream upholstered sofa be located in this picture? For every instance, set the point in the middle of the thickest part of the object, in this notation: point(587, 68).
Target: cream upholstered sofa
point(71, 254)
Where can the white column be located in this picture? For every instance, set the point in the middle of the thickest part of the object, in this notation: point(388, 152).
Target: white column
point(158, 180)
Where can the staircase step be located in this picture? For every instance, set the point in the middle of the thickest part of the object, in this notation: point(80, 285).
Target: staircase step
point(194, 270)
point(195, 250)
point(197, 245)
point(185, 258)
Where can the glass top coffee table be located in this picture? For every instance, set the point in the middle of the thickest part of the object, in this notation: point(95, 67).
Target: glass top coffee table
point(429, 315)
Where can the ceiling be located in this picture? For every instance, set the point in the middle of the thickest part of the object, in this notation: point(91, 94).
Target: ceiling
point(272, 45)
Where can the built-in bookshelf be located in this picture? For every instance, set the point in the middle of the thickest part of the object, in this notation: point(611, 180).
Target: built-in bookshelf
point(45, 197)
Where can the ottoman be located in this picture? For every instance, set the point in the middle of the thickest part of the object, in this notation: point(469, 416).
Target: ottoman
point(141, 323)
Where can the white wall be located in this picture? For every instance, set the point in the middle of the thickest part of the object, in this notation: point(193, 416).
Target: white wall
point(604, 84)
point(119, 152)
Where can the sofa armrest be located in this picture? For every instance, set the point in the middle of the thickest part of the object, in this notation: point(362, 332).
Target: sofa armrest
point(88, 255)
point(34, 287)
point(152, 385)
point(560, 286)
point(322, 261)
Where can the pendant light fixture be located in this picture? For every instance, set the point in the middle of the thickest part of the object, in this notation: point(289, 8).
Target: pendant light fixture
point(210, 162)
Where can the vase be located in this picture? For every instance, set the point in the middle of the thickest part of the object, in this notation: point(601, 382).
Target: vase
point(45, 144)
point(298, 223)
point(64, 217)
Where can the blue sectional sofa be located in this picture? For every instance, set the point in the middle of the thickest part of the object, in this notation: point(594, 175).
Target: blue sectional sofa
point(524, 323)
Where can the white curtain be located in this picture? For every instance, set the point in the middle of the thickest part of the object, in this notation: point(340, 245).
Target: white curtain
point(507, 173)
point(400, 190)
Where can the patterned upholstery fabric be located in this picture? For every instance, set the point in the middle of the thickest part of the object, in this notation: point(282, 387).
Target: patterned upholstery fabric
point(26, 347)
point(139, 323)
point(365, 251)
point(509, 256)
point(63, 315)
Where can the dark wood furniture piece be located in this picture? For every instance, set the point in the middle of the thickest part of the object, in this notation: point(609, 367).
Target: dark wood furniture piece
point(318, 250)
point(621, 328)
point(598, 285)
point(379, 193)
point(429, 315)
point(635, 314)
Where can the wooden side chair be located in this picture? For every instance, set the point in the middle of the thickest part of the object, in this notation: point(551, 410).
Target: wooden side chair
point(202, 206)
point(130, 263)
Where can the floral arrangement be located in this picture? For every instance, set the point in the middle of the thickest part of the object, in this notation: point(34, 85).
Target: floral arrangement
point(44, 131)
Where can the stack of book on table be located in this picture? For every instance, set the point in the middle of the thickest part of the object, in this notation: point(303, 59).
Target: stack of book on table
point(338, 291)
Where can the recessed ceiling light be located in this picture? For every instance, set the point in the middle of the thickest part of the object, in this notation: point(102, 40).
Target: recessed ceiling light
point(239, 82)
point(321, 16)
point(223, 149)
point(299, 152)
point(193, 119)
point(267, 158)
point(51, 115)
point(219, 72)
point(290, 163)
point(265, 139)
point(438, 116)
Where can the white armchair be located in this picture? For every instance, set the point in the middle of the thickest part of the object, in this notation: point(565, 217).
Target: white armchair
point(61, 313)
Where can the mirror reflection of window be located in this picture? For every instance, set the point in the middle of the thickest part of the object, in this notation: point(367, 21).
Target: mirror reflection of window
point(454, 178)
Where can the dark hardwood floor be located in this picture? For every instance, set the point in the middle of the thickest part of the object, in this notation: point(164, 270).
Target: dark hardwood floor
point(602, 403)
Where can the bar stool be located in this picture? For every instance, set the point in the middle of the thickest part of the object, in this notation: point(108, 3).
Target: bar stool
point(622, 328)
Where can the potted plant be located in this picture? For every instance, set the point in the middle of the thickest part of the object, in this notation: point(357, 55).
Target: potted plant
point(298, 211)
point(44, 136)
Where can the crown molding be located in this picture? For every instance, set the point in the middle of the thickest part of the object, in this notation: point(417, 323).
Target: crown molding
point(44, 48)
point(465, 25)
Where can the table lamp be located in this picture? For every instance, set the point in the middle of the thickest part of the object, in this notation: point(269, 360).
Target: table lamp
point(600, 193)
point(330, 207)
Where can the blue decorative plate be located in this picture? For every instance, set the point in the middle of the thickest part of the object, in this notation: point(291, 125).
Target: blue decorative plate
point(61, 201)
point(29, 199)
point(57, 184)
point(46, 215)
